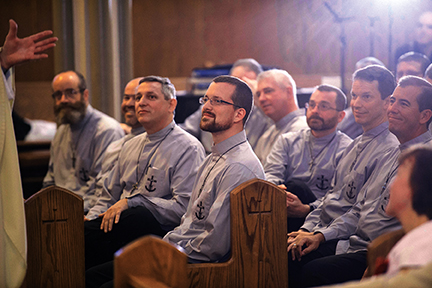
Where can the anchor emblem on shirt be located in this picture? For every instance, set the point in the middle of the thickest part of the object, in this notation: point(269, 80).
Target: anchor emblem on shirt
point(384, 203)
point(84, 175)
point(199, 214)
point(321, 185)
point(351, 194)
point(150, 187)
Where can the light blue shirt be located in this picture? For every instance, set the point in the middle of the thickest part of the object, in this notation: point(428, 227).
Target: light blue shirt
point(87, 141)
point(204, 231)
point(291, 158)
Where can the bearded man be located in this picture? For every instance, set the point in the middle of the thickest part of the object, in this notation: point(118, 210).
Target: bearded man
point(81, 139)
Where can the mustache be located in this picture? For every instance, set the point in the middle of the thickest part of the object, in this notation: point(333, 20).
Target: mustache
point(61, 106)
point(208, 112)
point(316, 117)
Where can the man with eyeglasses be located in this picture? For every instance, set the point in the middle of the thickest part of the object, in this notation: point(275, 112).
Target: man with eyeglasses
point(246, 70)
point(81, 139)
point(276, 92)
point(370, 92)
point(204, 231)
point(303, 163)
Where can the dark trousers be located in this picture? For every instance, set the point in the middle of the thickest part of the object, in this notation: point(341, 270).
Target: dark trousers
point(306, 196)
point(334, 269)
point(295, 267)
point(100, 276)
point(134, 223)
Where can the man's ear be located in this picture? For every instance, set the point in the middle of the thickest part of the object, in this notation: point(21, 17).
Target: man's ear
point(85, 96)
point(240, 113)
point(341, 116)
point(172, 105)
point(425, 115)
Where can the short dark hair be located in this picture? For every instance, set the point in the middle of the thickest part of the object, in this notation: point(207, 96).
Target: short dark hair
point(168, 89)
point(341, 99)
point(424, 98)
point(420, 179)
point(416, 57)
point(428, 72)
point(249, 64)
point(242, 95)
point(386, 80)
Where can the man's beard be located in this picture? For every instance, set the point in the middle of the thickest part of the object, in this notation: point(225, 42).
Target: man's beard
point(330, 124)
point(211, 126)
point(69, 113)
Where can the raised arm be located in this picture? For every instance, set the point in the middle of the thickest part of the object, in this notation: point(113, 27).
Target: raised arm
point(16, 51)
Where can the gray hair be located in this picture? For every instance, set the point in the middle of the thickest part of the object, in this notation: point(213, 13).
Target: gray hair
point(282, 78)
point(168, 89)
point(249, 64)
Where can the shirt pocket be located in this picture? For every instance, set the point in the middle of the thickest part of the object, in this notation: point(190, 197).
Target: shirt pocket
point(153, 182)
point(353, 184)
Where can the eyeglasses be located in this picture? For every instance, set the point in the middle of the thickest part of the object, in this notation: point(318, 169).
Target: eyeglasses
point(215, 102)
point(69, 94)
point(321, 106)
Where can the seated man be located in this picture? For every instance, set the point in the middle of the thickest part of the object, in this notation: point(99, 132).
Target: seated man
point(411, 204)
point(246, 70)
point(304, 162)
point(371, 89)
point(81, 138)
point(411, 63)
point(348, 124)
point(409, 115)
point(204, 232)
point(113, 150)
point(276, 93)
point(148, 189)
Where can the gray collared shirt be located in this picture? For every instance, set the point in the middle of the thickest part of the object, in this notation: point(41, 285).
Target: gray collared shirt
point(110, 159)
point(292, 122)
point(358, 162)
point(372, 220)
point(77, 152)
point(291, 158)
point(164, 165)
point(204, 231)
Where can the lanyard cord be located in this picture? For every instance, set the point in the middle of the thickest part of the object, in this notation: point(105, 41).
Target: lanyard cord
point(138, 180)
point(208, 173)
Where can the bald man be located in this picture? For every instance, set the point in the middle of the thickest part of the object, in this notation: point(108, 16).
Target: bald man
point(81, 140)
point(113, 150)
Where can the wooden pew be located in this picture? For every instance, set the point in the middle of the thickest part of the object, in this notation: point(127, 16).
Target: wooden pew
point(258, 246)
point(55, 239)
point(379, 249)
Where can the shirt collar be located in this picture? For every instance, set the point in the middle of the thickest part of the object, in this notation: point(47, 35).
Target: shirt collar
point(423, 138)
point(224, 146)
point(288, 118)
point(137, 131)
point(162, 133)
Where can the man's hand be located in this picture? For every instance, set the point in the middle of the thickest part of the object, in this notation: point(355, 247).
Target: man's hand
point(295, 208)
point(16, 50)
point(303, 245)
point(112, 215)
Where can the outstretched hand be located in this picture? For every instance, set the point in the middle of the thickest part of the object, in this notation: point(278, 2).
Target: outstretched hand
point(17, 51)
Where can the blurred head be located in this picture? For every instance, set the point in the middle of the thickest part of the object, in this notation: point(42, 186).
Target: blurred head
point(410, 109)
point(248, 67)
point(362, 63)
point(411, 63)
point(276, 93)
point(325, 109)
point(70, 96)
point(412, 187)
point(228, 101)
point(424, 29)
point(128, 103)
point(155, 103)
